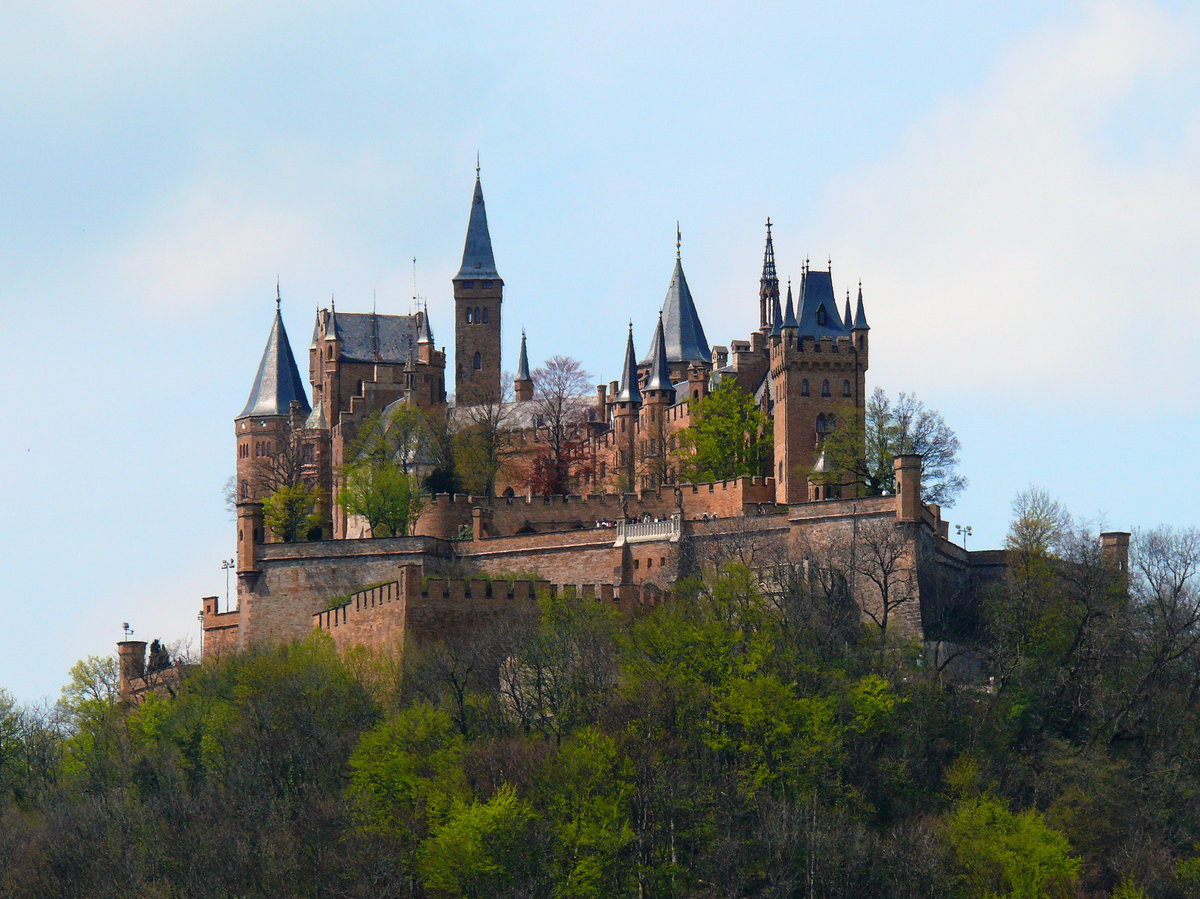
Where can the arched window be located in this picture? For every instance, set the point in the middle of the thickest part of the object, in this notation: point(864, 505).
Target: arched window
point(485, 315)
point(821, 316)
point(804, 387)
point(329, 353)
point(845, 388)
point(825, 388)
point(821, 423)
point(478, 362)
point(470, 316)
point(477, 318)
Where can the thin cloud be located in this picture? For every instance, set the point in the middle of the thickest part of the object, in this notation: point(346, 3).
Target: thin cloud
point(1022, 236)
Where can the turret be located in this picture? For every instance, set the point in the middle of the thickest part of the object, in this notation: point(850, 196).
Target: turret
point(860, 327)
point(478, 294)
point(683, 333)
point(658, 395)
point(523, 382)
point(626, 405)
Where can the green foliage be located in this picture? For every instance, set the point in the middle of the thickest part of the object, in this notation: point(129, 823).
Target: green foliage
point(382, 493)
point(728, 437)
point(728, 741)
point(865, 446)
point(1001, 853)
point(481, 849)
point(292, 512)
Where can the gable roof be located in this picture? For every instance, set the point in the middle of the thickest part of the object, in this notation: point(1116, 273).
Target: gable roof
point(370, 337)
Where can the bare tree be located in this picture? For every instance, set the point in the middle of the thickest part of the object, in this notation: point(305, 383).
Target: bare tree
point(483, 443)
point(560, 421)
point(880, 558)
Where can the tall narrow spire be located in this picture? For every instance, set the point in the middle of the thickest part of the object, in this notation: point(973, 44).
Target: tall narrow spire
point(789, 317)
point(659, 377)
point(629, 392)
point(477, 260)
point(277, 384)
point(777, 318)
point(523, 362)
point(860, 315)
point(768, 287)
point(847, 317)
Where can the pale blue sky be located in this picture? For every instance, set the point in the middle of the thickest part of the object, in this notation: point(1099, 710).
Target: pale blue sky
point(1016, 184)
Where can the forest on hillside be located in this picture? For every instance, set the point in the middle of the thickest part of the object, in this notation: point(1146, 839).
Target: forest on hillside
point(741, 738)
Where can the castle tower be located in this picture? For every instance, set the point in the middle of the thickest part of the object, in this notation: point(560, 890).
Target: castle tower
point(625, 406)
point(523, 382)
point(478, 293)
point(658, 395)
point(818, 374)
point(768, 287)
point(277, 403)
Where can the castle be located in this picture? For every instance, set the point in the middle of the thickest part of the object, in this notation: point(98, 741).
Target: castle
point(631, 529)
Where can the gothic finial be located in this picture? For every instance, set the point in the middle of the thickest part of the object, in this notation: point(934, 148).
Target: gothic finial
point(374, 298)
point(476, 165)
point(678, 239)
point(278, 298)
point(768, 224)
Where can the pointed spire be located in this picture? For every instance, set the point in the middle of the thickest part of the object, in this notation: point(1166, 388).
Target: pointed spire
point(768, 273)
point(847, 318)
point(789, 317)
point(768, 287)
point(629, 392)
point(660, 373)
point(277, 384)
point(477, 260)
point(425, 332)
point(684, 334)
point(777, 319)
point(317, 420)
point(523, 362)
point(860, 316)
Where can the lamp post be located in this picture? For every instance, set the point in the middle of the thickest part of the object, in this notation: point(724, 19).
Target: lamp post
point(964, 531)
point(200, 618)
point(227, 565)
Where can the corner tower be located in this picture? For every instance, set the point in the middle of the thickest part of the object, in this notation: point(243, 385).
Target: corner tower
point(478, 293)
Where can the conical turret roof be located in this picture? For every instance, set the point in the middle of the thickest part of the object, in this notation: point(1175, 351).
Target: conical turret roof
point(277, 384)
point(860, 315)
point(424, 331)
point(684, 335)
point(523, 362)
point(629, 392)
point(789, 317)
point(660, 374)
point(477, 261)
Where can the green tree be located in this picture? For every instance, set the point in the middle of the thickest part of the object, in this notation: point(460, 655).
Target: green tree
point(292, 512)
point(728, 437)
point(865, 446)
point(386, 496)
point(1005, 854)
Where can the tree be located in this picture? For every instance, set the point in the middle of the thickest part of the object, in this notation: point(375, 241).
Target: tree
point(482, 441)
point(292, 513)
point(728, 436)
point(560, 420)
point(387, 497)
point(865, 446)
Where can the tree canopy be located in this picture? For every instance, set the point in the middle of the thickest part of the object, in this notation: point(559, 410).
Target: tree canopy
point(865, 446)
point(728, 437)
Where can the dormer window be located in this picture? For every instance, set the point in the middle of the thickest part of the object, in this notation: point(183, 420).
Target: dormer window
point(821, 316)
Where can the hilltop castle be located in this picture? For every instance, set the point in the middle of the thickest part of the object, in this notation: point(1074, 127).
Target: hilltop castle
point(631, 530)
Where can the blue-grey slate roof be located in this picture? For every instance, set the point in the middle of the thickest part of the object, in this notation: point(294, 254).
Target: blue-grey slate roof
point(277, 384)
point(860, 315)
point(370, 337)
point(523, 362)
point(684, 334)
point(629, 392)
point(819, 316)
point(659, 377)
point(477, 261)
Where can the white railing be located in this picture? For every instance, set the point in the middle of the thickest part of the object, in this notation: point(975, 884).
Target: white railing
point(646, 531)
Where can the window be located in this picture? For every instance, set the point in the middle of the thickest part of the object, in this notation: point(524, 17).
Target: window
point(470, 316)
point(804, 387)
point(485, 285)
point(825, 388)
point(477, 317)
point(485, 315)
point(478, 364)
point(821, 423)
point(845, 388)
point(329, 353)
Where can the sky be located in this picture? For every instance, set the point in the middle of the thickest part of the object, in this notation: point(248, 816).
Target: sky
point(1017, 185)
